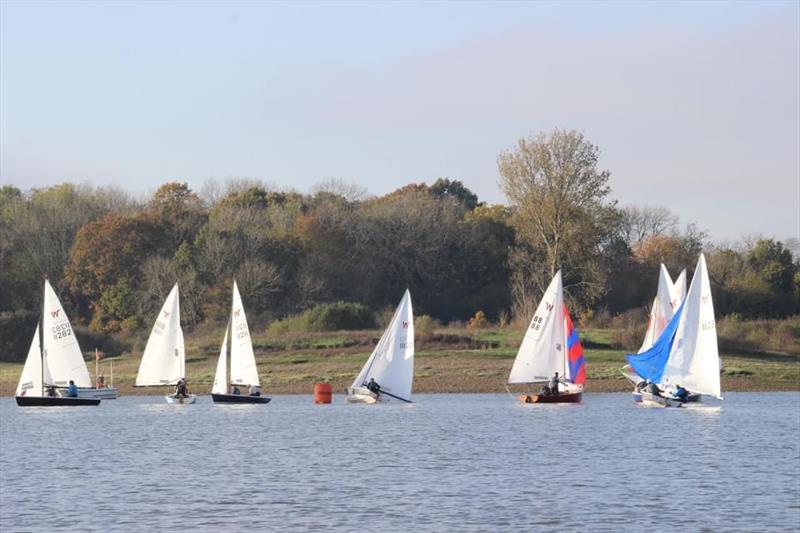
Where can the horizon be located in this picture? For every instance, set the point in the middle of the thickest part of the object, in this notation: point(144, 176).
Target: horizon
point(678, 97)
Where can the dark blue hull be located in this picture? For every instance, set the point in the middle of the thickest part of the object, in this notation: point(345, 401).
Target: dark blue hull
point(238, 398)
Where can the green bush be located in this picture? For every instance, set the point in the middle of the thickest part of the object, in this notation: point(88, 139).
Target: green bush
point(766, 335)
point(424, 325)
point(327, 317)
point(109, 345)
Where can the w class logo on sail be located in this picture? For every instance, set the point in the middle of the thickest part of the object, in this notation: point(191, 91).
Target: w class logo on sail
point(55, 313)
point(575, 359)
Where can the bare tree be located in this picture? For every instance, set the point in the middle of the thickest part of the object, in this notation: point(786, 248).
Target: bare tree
point(640, 223)
point(352, 192)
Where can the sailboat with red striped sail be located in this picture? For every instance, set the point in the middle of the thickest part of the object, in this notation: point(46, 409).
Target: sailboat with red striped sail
point(551, 352)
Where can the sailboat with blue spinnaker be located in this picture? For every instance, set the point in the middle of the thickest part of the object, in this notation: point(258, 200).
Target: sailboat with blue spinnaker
point(686, 354)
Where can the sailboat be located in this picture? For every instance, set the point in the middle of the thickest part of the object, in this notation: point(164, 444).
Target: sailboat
point(389, 372)
point(551, 344)
point(661, 311)
point(686, 353)
point(243, 362)
point(164, 359)
point(54, 358)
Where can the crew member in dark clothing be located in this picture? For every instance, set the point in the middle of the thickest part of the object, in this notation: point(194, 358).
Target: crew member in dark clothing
point(373, 387)
point(653, 389)
point(181, 389)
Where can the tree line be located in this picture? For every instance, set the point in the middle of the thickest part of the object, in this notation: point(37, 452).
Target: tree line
point(113, 257)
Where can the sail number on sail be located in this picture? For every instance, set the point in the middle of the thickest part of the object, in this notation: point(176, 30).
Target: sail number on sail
point(61, 331)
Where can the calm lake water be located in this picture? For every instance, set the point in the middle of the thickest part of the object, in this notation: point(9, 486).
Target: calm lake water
point(469, 462)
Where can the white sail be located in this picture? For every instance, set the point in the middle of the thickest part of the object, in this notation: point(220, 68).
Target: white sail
point(62, 354)
point(694, 358)
point(542, 351)
point(680, 290)
point(163, 359)
point(30, 382)
point(661, 311)
point(391, 364)
point(221, 376)
point(243, 361)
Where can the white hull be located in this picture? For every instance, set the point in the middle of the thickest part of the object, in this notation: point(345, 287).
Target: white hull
point(358, 395)
point(645, 399)
point(174, 399)
point(106, 393)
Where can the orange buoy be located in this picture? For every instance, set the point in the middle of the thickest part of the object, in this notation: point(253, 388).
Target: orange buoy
point(323, 392)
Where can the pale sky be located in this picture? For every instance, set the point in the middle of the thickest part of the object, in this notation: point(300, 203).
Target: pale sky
point(695, 106)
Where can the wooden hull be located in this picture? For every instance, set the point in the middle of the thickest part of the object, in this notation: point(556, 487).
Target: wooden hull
point(239, 398)
point(54, 401)
point(564, 397)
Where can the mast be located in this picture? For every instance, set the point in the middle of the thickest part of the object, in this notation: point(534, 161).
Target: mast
point(41, 332)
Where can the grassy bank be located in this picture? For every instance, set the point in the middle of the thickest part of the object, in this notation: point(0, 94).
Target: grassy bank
point(447, 360)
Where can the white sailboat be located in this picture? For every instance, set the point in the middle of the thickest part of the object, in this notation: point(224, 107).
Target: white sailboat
point(243, 362)
point(662, 309)
point(54, 359)
point(686, 354)
point(664, 305)
point(388, 374)
point(164, 359)
point(551, 344)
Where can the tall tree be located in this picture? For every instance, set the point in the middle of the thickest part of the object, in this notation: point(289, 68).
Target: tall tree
point(560, 211)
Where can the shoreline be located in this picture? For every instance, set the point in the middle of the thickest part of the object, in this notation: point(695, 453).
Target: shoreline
point(600, 386)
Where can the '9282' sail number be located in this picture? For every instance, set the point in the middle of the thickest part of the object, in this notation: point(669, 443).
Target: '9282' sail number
point(61, 331)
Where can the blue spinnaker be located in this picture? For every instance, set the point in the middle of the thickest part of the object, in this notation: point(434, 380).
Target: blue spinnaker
point(650, 364)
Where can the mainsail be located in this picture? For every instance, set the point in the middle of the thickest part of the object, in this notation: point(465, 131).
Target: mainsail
point(243, 361)
point(391, 363)
point(542, 350)
point(661, 311)
point(163, 362)
point(680, 290)
point(62, 354)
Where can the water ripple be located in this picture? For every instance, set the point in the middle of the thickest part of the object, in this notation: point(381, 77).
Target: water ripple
point(446, 463)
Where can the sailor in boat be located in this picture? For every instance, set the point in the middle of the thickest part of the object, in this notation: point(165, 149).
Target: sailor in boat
point(101, 382)
point(680, 394)
point(552, 387)
point(374, 388)
point(182, 389)
point(72, 390)
point(51, 391)
point(255, 390)
point(653, 389)
point(235, 390)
